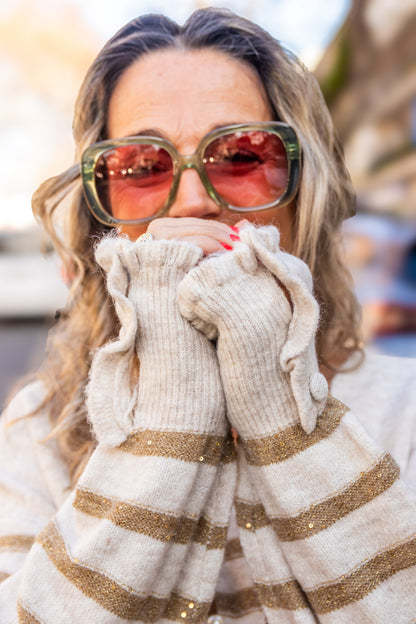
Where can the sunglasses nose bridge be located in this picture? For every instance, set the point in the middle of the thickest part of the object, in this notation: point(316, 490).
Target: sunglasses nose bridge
point(189, 161)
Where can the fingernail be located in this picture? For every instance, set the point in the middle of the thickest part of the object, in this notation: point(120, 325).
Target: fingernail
point(226, 246)
point(235, 229)
point(234, 237)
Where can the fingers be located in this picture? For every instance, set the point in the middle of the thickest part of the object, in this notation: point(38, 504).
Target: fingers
point(242, 223)
point(211, 236)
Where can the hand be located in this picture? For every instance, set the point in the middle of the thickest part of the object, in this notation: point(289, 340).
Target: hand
point(179, 385)
point(211, 236)
point(240, 298)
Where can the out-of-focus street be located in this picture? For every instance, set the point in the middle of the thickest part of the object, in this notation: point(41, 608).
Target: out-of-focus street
point(22, 347)
point(31, 290)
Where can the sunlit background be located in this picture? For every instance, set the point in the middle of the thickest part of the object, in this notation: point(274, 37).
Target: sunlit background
point(46, 47)
point(363, 54)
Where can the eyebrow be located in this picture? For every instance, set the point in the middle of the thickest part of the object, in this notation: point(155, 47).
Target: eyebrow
point(148, 132)
point(153, 132)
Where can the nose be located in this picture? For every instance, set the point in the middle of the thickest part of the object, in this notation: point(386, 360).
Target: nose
point(192, 199)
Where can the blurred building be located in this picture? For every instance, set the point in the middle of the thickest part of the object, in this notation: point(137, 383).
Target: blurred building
point(368, 77)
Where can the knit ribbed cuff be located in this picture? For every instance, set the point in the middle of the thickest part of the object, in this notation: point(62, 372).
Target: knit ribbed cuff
point(178, 367)
point(239, 297)
point(298, 356)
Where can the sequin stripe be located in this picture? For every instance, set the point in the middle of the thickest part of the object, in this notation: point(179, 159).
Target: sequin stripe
point(3, 576)
point(288, 595)
point(112, 596)
point(25, 617)
point(293, 440)
point(160, 526)
point(322, 515)
point(189, 447)
point(238, 603)
point(253, 516)
point(212, 535)
point(16, 542)
point(360, 582)
point(233, 549)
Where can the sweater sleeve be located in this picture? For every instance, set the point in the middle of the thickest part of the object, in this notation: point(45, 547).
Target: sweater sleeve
point(141, 536)
point(327, 524)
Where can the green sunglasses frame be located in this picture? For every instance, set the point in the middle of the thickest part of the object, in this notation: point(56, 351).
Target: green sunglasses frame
point(192, 161)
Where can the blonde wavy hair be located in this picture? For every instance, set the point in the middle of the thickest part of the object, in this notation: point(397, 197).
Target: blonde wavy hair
point(324, 200)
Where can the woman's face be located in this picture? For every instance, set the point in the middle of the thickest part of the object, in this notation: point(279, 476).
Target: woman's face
point(181, 96)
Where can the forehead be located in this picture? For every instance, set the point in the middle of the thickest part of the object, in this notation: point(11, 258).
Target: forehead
point(171, 90)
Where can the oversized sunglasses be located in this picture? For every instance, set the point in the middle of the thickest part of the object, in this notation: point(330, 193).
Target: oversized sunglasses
point(243, 167)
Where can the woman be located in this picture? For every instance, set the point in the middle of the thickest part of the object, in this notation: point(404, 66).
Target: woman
point(121, 488)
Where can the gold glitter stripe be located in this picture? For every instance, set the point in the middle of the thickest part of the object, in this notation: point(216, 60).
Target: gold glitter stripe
point(160, 526)
point(251, 516)
point(357, 584)
point(212, 535)
point(237, 604)
point(189, 447)
point(3, 576)
point(25, 617)
point(233, 549)
point(114, 597)
point(17, 542)
point(322, 515)
point(293, 440)
point(288, 595)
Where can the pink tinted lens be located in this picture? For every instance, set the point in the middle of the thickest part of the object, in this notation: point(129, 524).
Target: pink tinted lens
point(133, 181)
point(247, 169)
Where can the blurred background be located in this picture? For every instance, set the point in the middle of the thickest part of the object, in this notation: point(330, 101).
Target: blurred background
point(363, 54)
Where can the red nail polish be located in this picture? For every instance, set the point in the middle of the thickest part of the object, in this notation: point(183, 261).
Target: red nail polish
point(234, 237)
point(226, 246)
point(235, 229)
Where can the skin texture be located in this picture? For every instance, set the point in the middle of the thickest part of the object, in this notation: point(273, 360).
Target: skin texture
point(181, 96)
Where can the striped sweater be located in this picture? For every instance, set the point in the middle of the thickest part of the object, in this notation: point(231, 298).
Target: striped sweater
point(321, 525)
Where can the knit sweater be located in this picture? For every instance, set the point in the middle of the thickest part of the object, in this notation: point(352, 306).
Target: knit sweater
point(325, 521)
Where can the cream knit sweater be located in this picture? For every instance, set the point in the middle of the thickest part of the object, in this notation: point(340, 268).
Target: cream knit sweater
point(323, 527)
